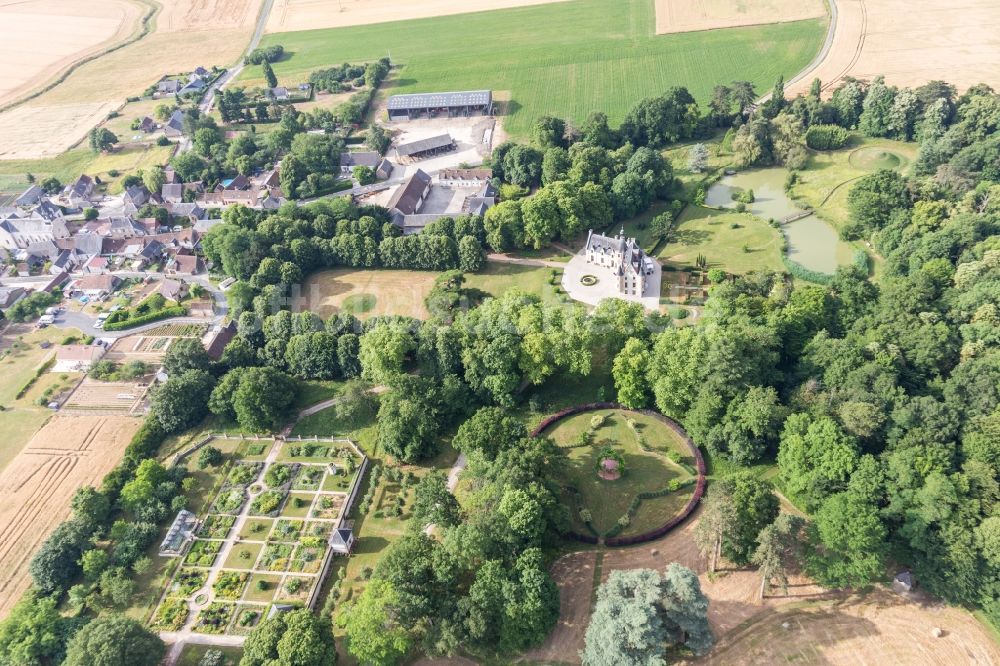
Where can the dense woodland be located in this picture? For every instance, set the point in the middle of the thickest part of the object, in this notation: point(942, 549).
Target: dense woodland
point(879, 401)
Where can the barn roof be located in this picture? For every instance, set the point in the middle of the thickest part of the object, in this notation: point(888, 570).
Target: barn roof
point(423, 145)
point(440, 100)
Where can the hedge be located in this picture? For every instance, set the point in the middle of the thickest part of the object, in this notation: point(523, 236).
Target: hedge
point(173, 311)
point(34, 378)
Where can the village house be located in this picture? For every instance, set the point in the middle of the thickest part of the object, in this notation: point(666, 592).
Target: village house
point(370, 159)
point(77, 358)
point(173, 290)
point(18, 232)
point(97, 285)
point(184, 264)
point(465, 177)
point(30, 197)
point(216, 339)
point(10, 295)
point(80, 192)
point(174, 127)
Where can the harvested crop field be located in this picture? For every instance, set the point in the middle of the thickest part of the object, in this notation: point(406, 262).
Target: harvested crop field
point(43, 37)
point(35, 489)
point(367, 293)
point(188, 33)
point(912, 42)
point(289, 15)
point(691, 15)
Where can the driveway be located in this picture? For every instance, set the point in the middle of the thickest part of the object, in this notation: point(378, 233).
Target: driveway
point(607, 284)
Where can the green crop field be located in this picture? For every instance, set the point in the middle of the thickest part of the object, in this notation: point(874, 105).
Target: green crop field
point(568, 58)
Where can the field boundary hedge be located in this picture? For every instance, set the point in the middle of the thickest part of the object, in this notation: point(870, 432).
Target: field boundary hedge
point(660, 531)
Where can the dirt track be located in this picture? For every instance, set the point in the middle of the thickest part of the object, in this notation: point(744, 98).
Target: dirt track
point(36, 488)
point(912, 42)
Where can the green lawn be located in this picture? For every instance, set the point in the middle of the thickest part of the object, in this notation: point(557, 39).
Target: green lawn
point(496, 278)
point(827, 179)
point(311, 392)
point(237, 560)
point(192, 654)
point(567, 58)
point(255, 594)
point(750, 245)
point(644, 471)
point(72, 163)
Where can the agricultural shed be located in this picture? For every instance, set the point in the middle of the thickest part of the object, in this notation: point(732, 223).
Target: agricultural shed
point(423, 148)
point(462, 103)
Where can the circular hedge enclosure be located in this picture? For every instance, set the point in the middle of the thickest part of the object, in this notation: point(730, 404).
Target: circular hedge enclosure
point(662, 472)
point(589, 280)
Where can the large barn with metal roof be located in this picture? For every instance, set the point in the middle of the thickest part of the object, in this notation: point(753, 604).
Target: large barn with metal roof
point(432, 105)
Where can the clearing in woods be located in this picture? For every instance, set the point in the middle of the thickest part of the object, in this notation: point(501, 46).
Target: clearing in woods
point(823, 628)
point(367, 293)
point(290, 15)
point(912, 42)
point(43, 37)
point(188, 33)
point(36, 488)
point(608, 61)
point(691, 15)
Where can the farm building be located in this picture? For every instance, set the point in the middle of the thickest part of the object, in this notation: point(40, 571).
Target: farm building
point(411, 195)
point(430, 105)
point(424, 148)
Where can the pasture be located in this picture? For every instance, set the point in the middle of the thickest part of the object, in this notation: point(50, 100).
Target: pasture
point(566, 58)
point(67, 166)
point(35, 489)
point(21, 356)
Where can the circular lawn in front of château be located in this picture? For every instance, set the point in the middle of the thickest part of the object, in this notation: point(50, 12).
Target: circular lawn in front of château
point(624, 473)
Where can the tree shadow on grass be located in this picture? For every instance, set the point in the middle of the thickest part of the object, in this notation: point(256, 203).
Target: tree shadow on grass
point(691, 236)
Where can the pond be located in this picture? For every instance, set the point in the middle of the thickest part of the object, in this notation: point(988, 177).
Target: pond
point(812, 242)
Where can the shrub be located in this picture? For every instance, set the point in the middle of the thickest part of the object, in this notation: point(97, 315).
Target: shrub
point(827, 137)
point(596, 421)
